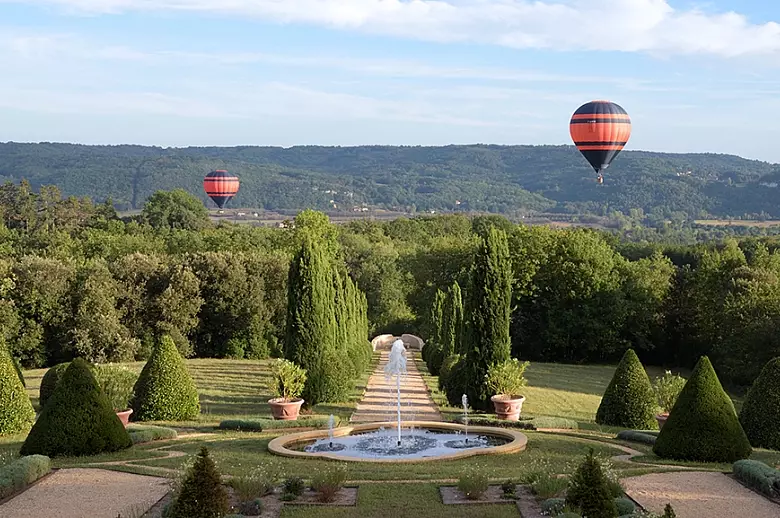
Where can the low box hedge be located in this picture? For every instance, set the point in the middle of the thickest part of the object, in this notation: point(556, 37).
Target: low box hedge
point(21, 472)
point(757, 475)
point(525, 422)
point(140, 434)
point(641, 436)
point(260, 425)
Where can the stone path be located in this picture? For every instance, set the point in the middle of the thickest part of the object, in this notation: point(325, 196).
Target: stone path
point(380, 399)
point(698, 494)
point(87, 493)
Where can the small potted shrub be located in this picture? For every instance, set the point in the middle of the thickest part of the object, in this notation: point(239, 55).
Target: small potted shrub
point(286, 385)
point(505, 380)
point(667, 389)
point(117, 383)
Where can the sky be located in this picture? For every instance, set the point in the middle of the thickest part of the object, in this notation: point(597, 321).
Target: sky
point(693, 76)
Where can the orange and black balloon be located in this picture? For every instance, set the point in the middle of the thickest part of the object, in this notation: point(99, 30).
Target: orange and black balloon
point(220, 186)
point(600, 129)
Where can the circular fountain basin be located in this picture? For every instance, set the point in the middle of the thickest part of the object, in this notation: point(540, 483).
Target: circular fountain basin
point(420, 441)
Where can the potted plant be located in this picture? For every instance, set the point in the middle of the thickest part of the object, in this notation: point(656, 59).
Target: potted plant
point(505, 380)
point(667, 389)
point(117, 384)
point(287, 382)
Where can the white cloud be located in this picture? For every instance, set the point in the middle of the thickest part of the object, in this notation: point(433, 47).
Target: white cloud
point(651, 26)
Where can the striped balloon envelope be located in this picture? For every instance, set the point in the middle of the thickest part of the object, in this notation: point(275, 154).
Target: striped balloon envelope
point(220, 186)
point(600, 129)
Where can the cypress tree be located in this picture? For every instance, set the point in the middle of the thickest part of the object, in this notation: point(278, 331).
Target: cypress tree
point(202, 494)
point(434, 357)
point(453, 322)
point(343, 321)
point(628, 400)
point(703, 425)
point(311, 326)
point(760, 415)
point(487, 339)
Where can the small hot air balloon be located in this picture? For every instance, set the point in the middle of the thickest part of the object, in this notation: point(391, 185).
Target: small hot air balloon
point(220, 186)
point(600, 129)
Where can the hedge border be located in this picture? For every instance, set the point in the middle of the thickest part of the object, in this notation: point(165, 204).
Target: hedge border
point(7, 494)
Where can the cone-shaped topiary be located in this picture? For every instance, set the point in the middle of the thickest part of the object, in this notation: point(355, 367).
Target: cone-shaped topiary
point(703, 425)
point(589, 492)
point(202, 494)
point(77, 419)
point(165, 390)
point(628, 400)
point(50, 381)
point(16, 410)
point(760, 415)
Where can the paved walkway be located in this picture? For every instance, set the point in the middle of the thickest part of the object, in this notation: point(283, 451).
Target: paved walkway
point(379, 403)
point(698, 494)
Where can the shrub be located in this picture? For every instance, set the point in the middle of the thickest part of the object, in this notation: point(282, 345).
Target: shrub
point(293, 486)
point(508, 488)
point(259, 425)
point(260, 482)
point(628, 400)
point(624, 506)
point(506, 377)
point(287, 380)
point(77, 419)
point(165, 390)
point(117, 383)
point(703, 425)
point(455, 382)
point(667, 389)
point(50, 381)
point(251, 507)
point(16, 411)
point(140, 434)
point(327, 483)
point(473, 484)
point(589, 490)
point(446, 369)
point(760, 415)
point(18, 367)
point(202, 494)
point(553, 506)
point(757, 475)
point(21, 472)
point(637, 436)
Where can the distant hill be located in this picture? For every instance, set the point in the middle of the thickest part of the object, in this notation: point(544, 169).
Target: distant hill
point(500, 179)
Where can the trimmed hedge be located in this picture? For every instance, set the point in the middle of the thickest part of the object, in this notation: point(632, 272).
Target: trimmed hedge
point(624, 506)
point(140, 434)
point(629, 400)
point(259, 425)
point(757, 475)
point(50, 381)
point(77, 419)
point(644, 437)
point(21, 472)
point(16, 411)
point(760, 415)
point(703, 425)
point(165, 390)
point(525, 423)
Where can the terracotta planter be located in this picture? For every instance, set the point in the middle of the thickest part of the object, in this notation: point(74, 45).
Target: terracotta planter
point(285, 410)
point(661, 418)
point(508, 407)
point(124, 416)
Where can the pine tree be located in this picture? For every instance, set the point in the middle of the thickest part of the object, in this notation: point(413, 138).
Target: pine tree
point(589, 490)
point(202, 494)
point(760, 415)
point(310, 339)
point(486, 340)
point(629, 400)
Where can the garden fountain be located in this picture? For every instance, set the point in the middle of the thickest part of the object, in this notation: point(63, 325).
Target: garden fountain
point(399, 441)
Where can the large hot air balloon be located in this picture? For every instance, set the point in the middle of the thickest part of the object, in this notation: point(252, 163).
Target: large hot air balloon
point(600, 129)
point(220, 186)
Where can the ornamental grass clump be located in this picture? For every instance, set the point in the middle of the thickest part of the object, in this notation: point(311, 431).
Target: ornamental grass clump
point(473, 484)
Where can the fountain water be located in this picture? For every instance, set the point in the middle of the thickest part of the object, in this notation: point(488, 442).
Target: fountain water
point(331, 422)
point(465, 401)
point(396, 365)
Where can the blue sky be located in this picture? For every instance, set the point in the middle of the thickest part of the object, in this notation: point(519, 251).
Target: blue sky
point(694, 76)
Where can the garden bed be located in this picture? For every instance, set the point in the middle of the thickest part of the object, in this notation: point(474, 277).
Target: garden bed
point(451, 495)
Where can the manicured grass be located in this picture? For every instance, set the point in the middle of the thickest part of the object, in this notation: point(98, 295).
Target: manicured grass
point(413, 500)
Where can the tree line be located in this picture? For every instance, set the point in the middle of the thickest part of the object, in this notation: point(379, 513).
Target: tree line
point(76, 280)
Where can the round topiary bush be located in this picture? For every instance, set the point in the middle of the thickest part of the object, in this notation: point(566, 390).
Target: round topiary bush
point(16, 410)
point(629, 400)
point(49, 382)
point(760, 415)
point(703, 425)
point(165, 390)
point(77, 419)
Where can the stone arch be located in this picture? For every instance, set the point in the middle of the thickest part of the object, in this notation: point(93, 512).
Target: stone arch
point(385, 342)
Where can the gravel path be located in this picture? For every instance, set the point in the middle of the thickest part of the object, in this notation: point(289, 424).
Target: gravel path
point(699, 494)
point(87, 493)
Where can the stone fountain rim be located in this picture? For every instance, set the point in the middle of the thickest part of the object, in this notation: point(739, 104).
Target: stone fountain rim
point(517, 441)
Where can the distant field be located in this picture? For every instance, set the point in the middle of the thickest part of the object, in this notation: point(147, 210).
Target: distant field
point(737, 223)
